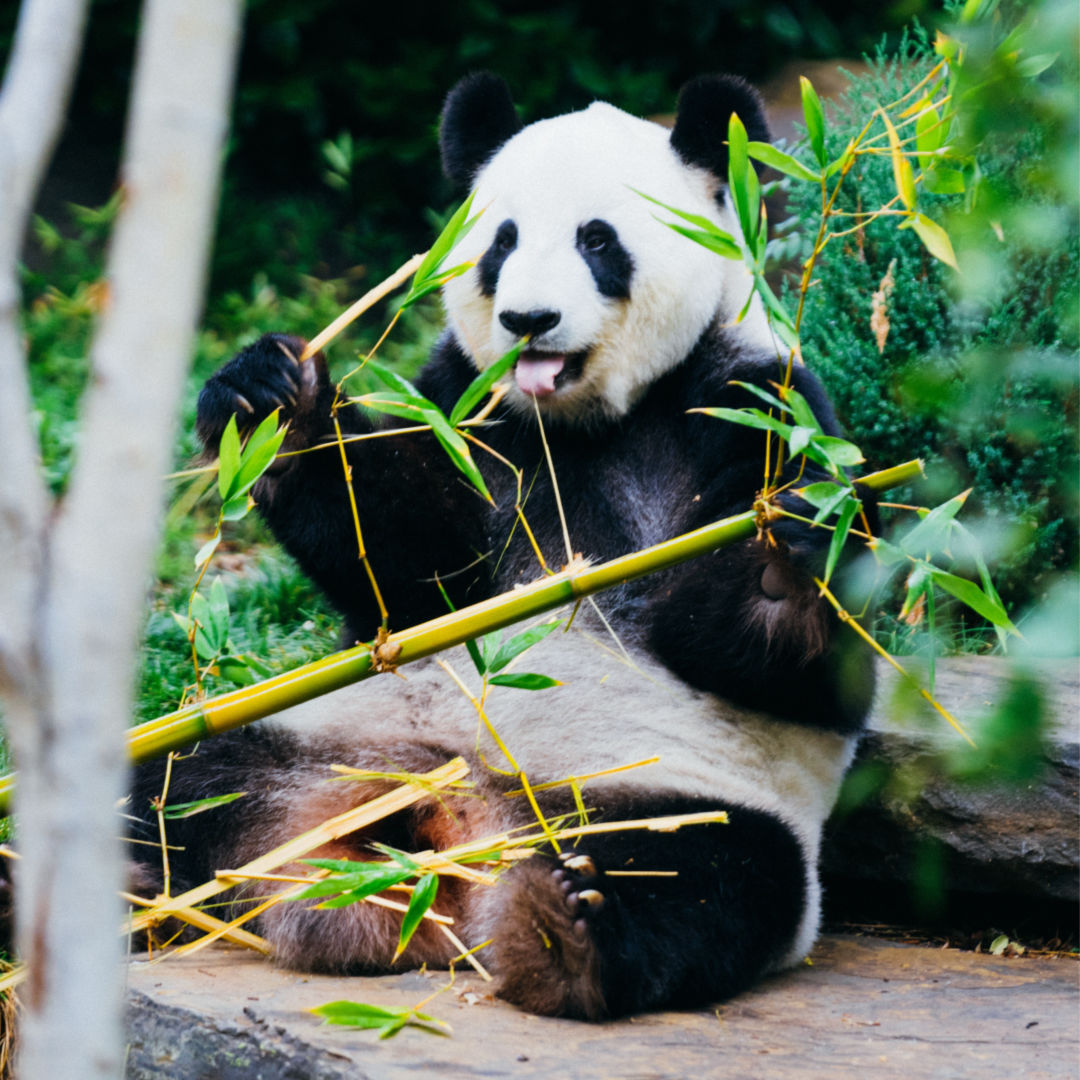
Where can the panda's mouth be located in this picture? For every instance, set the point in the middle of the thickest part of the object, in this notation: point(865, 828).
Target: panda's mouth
point(540, 374)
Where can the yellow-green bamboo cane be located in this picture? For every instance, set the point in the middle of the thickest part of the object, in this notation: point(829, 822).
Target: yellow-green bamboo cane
point(202, 719)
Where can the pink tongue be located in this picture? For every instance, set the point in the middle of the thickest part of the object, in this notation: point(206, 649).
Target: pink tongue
point(537, 377)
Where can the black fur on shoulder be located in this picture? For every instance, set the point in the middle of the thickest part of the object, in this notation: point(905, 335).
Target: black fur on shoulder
point(701, 125)
point(478, 117)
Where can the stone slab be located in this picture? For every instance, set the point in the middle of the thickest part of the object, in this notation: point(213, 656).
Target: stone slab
point(864, 1008)
point(1020, 840)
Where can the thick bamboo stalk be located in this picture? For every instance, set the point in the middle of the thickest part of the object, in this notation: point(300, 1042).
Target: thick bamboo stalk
point(203, 719)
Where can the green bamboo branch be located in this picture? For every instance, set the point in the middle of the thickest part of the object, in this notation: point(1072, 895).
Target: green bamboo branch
point(203, 719)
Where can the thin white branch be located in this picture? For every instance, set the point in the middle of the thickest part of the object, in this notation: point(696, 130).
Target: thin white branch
point(32, 101)
point(102, 540)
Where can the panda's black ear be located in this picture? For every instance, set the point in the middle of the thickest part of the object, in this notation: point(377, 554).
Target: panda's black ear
point(478, 117)
point(701, 124)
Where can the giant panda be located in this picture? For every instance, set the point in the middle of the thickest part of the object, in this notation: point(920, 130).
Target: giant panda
point(728, 668)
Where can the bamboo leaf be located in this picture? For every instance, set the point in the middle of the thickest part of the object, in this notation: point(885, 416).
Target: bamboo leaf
point(260, 451)
point(917, 582)
point(423, 896)
point(188, 809)
point(839, 537)
point(939, 180)
point(800, 440)
point(208, 548)
point(967, 592)
point(395, 405)
point(351, 881)
point(402, 858)
point(457, 449)
point(815, 120)
point(931, 534)
point(984, 575)
point(887, 554)
point(228, 458)
point(754, 418)
point(701, 222)
point(721, 245)
point(483, 382)
point(519, 643)
point(935, 239)
point(213, 614)
point(800, 409)
point(525, 681)
point(1032, 66)
point(760, 392)
point(929, 134)
point(825, 496)
point(769, 155)
point(398, 384)
point(842, 162)
point(456, 229)
point(386, 1022)
point(903, 176)
point(773, 306)
point(235, 671)
point(739, 170)
point(839, 451)
point(236, 508)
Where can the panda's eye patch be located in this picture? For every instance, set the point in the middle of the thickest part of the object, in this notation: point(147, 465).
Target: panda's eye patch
point(610, 263)
point(595, 237)
point(506, 237)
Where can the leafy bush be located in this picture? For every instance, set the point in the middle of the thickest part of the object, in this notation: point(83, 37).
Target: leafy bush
point(977, 373)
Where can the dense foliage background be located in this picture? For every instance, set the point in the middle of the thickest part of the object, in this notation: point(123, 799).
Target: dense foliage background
point(333, 179)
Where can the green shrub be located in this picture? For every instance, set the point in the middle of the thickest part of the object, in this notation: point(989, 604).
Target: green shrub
point(978, 372)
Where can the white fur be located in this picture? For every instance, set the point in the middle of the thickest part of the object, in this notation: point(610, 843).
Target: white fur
point(607, 714)
point(556, 175)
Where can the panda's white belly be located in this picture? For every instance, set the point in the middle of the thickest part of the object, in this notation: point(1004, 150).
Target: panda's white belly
point(609, 712)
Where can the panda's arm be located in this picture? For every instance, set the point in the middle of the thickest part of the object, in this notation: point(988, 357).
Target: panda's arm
point(747, 621)
point(417, 517)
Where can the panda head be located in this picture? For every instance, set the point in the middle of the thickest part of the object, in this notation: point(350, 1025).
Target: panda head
point(569, 255)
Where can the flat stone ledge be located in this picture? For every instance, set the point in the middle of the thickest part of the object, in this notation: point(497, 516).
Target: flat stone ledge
point(865, 1007)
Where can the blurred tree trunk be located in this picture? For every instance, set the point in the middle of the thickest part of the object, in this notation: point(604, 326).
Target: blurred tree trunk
point(73, 572)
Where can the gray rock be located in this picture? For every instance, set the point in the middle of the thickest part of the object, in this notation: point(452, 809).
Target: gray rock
point(997, 836)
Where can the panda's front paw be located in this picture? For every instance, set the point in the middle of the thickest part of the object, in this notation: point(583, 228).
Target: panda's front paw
point(797, 549)
point(266, 376)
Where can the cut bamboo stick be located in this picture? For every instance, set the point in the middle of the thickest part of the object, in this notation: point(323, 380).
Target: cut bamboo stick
point(203, 719)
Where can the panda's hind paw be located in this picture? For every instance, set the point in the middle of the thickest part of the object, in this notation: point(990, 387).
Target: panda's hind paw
point(545, 943)
point(578, 879)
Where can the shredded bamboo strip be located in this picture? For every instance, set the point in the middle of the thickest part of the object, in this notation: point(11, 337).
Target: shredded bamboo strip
point(299, 846)
point(226, 929)
point(511, 846)
point(466, 954)
point(517, 792)
point(202, 921)
point(641, 873)
point(355, 310)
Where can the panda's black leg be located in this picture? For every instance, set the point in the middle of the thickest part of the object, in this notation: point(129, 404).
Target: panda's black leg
point(648, 920)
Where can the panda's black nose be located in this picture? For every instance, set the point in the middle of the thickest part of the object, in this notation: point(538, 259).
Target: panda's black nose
point(529, 323)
